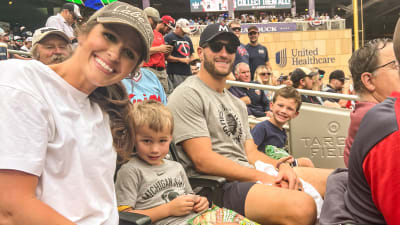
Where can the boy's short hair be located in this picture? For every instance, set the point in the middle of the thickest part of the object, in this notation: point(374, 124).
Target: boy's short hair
point(288, 92)
point(153, 114)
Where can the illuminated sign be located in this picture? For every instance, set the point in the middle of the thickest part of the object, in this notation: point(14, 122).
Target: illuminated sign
point(222, 5)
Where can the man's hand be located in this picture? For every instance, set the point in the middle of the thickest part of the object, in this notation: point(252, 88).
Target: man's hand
point(185, 60)
point(165, 48)
point(181, 205)
point(200, 204)
point(287, 178)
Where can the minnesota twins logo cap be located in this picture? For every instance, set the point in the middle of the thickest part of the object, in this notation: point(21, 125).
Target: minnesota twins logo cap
point(214, 30)
point(124, 13)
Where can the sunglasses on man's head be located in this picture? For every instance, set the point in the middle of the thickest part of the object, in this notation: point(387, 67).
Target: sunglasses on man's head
point(216, 46)
point(236, 29)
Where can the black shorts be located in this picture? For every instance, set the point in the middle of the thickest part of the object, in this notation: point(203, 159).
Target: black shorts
point(235, 194)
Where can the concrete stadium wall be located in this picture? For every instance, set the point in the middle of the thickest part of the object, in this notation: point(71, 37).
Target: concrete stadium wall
point(326, 49)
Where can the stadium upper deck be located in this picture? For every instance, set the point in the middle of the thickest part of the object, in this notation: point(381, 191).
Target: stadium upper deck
point(379, 15)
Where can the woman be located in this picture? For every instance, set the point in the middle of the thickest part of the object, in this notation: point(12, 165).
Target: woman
point(263, 75)
point(63, 124)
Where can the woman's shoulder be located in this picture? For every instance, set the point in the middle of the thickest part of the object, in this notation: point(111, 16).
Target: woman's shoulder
point(22, 75)
point(16, 69)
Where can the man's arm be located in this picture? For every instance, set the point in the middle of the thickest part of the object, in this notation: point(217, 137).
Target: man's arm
point(268, 65)
point(381, 171)
point(207, 161)
point(171, 58)
point(161, 48)
point(286, 173)
point(237, 92)
point(53, 22)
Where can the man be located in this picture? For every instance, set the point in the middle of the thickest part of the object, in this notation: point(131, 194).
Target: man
point(19, 42)
point(65, 20)
point(27, 44)
point(50, 45)
point(213, 135)
point(302, 79)
point(241, 53)
point(336, 83)
point(368, 192)
point(258, 54)
point(256, 101)
point(178, 68)
point(153, 16)
point(372, 81)
point(159, 49)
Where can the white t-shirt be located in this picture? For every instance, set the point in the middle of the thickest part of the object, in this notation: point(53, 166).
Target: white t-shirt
point(60, 23)
point(52, 130)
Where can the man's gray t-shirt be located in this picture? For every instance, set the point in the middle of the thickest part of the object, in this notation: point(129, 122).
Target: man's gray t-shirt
point(199, 111)
point(144, 186)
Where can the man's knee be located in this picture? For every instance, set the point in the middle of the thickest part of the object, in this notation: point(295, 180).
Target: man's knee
point(305, 162)
point(270, 205)
point(305, 211)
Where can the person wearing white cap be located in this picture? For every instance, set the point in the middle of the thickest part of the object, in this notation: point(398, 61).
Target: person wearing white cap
point(64, 20)
point(178, 67)
point(63, 125)
point(27, 44)
point(50, 45)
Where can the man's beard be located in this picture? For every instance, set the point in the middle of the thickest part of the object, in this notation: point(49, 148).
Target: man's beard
point(58, 58)
point(209, 65)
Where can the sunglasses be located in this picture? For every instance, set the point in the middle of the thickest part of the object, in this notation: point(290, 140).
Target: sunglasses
point(217, 47)
point(253, 33)
point(237, 29)
point(263, 74)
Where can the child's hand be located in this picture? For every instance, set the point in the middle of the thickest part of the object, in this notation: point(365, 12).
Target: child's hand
point(201, 204)
point(180, 206)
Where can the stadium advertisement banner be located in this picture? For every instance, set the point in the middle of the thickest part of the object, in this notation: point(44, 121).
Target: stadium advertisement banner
point(222, 5)
point(270, 27)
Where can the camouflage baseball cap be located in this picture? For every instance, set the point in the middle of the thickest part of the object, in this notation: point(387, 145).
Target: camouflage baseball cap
point(124, 13)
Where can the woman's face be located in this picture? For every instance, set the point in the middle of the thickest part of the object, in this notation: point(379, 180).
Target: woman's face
point(264, 75)
point(108, 54)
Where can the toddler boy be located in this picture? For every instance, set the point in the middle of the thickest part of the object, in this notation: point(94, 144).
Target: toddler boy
point(149, 184)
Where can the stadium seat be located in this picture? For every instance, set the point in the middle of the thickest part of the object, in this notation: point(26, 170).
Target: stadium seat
point(127, 218)
point(319, 133)
point(204, 185)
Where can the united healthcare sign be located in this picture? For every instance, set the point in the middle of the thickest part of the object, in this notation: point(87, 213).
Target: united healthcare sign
point(301, 57)
point(222, 5)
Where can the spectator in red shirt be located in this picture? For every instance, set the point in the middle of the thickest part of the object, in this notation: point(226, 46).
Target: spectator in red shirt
point(159, 49)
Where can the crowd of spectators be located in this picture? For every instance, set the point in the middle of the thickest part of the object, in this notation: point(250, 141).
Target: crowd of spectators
point(261, 17)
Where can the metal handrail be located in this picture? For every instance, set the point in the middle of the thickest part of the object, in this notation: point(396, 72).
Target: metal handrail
point(302, 91)
point(19, 52)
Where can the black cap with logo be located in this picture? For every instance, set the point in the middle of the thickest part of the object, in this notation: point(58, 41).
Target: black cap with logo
point(214, 30)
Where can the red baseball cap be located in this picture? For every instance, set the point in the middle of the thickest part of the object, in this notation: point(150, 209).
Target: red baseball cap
point(169, 21)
